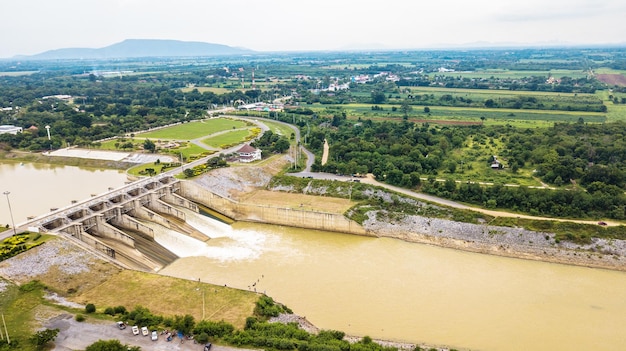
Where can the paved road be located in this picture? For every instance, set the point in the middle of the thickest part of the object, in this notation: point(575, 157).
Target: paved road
point(370, 180)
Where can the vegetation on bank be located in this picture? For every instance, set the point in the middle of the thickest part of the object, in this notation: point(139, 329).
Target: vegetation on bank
point(19, 304)
point(19, 243)
point(371, 198)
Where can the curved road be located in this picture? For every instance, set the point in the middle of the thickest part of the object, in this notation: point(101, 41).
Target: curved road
point(306, 173)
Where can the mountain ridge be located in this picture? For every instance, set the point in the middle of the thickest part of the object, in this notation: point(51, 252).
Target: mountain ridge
point(135, 48)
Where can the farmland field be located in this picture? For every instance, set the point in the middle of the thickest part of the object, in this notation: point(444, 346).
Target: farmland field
point(470, 114)
point(515, 74)
point(428, 90)
point(215, 90)
point(194, 130)
point(17, 73)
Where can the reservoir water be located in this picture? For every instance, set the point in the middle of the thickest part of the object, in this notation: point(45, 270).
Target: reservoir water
point(35, 188)
point(391, 289)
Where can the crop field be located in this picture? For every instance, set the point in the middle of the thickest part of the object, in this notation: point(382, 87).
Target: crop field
point(514, 74)
point(17, 73)
point(227, 138)
point(507, 98)
point(471, 114)
point(488, 92)
point(215, 90)
point(194, 130)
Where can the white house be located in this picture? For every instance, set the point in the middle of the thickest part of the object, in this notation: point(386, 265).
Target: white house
point(6, 129)
point(248, 154)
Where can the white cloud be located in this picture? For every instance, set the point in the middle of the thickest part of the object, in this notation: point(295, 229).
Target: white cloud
point(33, 26)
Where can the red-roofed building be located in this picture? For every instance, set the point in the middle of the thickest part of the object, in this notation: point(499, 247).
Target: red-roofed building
point(248, 154)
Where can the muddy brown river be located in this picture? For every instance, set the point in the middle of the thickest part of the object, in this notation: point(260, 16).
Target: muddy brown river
point(383, 288)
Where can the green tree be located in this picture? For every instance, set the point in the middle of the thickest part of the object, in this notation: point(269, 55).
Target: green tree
point(149, 145)
point(41, 338)
point(184, 323)
point(406, 108)
point(378, 97)
point(281, 145)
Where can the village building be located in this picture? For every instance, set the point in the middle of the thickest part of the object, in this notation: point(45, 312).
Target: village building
point(7, 129)
point(248, 154)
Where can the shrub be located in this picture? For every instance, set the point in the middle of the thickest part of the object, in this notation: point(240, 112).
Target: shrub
point(120, 309)
point(90, 308)
point(110, 311)
point(80, 318)
point(202, 338)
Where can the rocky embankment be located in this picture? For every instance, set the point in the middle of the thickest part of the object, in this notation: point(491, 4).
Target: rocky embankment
point(497, 240)
point(234, 182)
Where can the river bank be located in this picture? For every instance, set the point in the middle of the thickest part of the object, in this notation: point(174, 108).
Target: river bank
point(497, 240)
point(235, 183)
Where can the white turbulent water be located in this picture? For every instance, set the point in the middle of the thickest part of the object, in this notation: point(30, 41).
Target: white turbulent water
point(225, 245)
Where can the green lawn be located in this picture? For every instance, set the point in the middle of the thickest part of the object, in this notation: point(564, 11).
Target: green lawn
point(228, 138)
point(194, 130)
point(280, 129)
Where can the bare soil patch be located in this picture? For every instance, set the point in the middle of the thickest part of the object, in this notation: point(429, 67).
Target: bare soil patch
point(59, 264)
point(612, 79)
point(304, 202)
point(238, 180)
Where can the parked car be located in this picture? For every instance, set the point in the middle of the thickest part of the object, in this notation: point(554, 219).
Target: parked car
point(135, 330)
point(121, 325)
point(154, 336)
point(602, 223)
point(207, 346)
point(144, 331)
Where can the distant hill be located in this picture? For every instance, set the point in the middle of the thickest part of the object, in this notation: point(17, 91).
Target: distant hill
point(132, 48)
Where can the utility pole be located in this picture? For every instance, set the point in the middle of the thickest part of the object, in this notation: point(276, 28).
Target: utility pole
point(10, 212)
point(5, 330)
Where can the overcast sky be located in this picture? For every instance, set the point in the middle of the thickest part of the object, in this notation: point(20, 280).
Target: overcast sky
point(33, 26)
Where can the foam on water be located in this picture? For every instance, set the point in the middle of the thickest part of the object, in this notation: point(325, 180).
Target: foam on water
point(209, 226)
point(225, 244)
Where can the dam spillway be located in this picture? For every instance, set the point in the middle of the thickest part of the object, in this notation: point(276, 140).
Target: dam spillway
point(115, 223)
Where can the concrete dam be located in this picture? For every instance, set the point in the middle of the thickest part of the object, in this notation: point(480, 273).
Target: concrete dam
point(114, 223)
point(119, 224)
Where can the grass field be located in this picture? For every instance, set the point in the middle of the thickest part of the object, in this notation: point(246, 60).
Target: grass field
point(214, 90)
point(484, 92)
point(227, 138)
point(17, 74)
point(194, 130)
point(502, 73)
point(171, 296)
point(280, 129)
point(497, 116)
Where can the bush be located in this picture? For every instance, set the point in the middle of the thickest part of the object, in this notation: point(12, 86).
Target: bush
point(202, 338)
point(110, 311)
point(90, 308)
point(80, 318)
point(120, 310)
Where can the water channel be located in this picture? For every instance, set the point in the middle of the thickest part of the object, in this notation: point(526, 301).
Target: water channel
point(395, 290)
